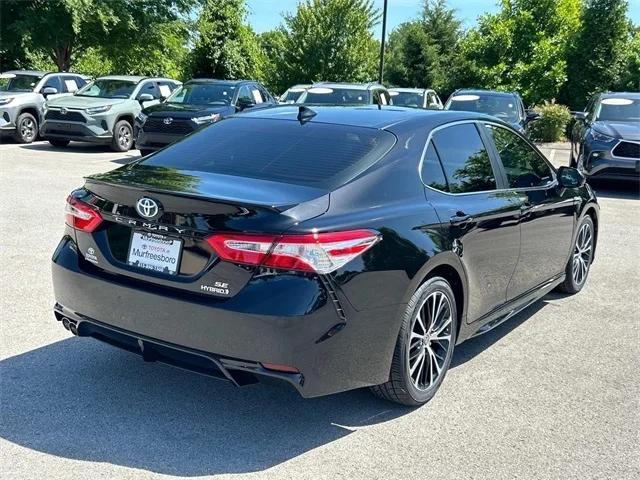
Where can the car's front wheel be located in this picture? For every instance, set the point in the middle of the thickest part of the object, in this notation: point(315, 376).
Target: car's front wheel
point(424, 347)
point(26, 128)
point(122, 137)
point(577, 268)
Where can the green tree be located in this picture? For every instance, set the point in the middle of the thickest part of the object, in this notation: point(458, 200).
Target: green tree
point(272, 44)
point(597, 59)
point(225, 46)
point(134, 33)
point(425, 52)
point(630, 78)
point(329, 40)
point(523, 47)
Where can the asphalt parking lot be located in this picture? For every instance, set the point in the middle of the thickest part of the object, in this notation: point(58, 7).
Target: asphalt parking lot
point(553, 393)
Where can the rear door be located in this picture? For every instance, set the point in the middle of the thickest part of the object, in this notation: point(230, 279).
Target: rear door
point(547, 211)
point(480, 216)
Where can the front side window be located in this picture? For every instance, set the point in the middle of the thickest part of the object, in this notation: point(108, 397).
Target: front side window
point(18, 83)
point(106, 88)
point(465, 159)
point(522, 164)
point(203, 94)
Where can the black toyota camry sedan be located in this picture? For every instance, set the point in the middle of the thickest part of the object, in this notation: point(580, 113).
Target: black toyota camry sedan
point(605, 139)
point(328, 247)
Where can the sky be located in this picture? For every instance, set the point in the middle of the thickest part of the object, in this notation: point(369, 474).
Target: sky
point(266, 14)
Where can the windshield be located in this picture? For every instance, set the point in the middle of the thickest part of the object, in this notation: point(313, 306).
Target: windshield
point(19, 83)
point(408, 99)
point(619, 110)
point(203, 94)
point(292, 95)
point(108, 89)
point(502, 107)
point(335, 96)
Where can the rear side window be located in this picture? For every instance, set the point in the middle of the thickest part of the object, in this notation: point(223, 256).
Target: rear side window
point(465, 159)
point(522, 164)
point(432, 173)
point(318, 155)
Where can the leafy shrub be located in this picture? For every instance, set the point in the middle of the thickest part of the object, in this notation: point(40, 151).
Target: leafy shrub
point(551, 127)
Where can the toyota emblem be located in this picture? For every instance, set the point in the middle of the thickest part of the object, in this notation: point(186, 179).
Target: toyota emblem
point(167, 121)
point(147, 207)
point(63, 111)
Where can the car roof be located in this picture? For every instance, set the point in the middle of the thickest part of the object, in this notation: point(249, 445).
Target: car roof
point(479, 91)
point(300, 85)
point(633, 95)
point(410, 90)
point(395, 119)
point(220, 81)
point(134, 78)
point(351, 86)
point(37, 73)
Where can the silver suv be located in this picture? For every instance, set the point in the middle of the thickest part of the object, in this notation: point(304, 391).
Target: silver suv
point(104, 110)
point(326, 93)
point(23, 94)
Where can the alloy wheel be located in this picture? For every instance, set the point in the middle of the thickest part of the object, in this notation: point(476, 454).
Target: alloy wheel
point(582, 254)
point(27, 129)
point(124, 136)
point(430, 340)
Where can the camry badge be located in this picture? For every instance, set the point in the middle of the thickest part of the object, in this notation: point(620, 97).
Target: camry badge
point(167, 121)
point(147, 207)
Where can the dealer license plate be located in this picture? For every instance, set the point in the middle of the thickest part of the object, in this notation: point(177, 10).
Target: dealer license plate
point(155, 252)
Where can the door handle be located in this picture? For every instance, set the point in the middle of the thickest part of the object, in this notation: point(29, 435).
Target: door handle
point(461, 219)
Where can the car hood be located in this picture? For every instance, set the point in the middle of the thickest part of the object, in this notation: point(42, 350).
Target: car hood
point(74, 101)
point(15, 94)
point(187, 111)
point(625, 130)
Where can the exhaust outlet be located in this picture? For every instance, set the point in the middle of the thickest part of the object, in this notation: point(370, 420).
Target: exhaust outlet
point(65, 322)
point(73, 327)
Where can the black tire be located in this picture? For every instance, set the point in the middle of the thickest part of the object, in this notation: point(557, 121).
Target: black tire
point(572, 158)
point(122, 137)
point(144, 153)
point(56, 142)
point(26, 128)
point(573, 281)
point(401, 387)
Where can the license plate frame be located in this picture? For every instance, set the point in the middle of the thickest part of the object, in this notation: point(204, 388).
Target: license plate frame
point(154, 244)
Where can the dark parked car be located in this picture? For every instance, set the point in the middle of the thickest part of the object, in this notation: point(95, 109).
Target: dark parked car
point(605, 140)
point(331, 248)
point(346, 94)
point(196, 104)
point(416, 98)
point(507, 106)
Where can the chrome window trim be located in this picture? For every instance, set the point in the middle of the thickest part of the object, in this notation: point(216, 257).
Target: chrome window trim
point(637, 142)
point(554, 183)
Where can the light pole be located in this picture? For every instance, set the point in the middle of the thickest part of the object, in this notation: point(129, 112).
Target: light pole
point(384, 34)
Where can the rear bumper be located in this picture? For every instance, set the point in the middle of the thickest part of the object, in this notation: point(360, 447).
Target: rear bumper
point(332, 354)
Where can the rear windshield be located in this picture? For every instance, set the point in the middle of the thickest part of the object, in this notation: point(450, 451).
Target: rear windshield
point(317, 155)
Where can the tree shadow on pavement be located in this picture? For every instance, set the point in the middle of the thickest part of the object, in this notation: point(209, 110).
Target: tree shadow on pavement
point(83, 400)
point(629, 190)
point(83, 149)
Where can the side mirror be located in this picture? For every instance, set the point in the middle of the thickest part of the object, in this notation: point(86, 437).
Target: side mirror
point(532, 117)
point(145, 97)
point(49, 91)
point(244, 103)
point(569, 177)
point(581, 116)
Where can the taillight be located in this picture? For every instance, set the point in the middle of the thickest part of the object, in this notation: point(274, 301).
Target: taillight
point(315, 252)
point(81, 216)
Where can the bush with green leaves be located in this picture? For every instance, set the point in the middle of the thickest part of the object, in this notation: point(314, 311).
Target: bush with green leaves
point(551, 126)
